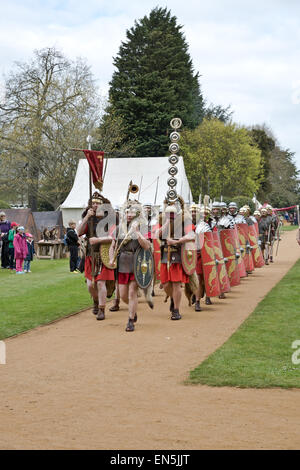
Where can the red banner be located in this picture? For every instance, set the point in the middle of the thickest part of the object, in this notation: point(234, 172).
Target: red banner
point(285, 208)
point(95, 159)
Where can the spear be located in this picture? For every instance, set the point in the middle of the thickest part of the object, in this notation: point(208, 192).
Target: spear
point(156, 191)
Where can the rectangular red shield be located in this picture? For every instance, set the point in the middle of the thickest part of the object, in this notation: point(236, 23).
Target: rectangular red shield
point(222, 272)
point(210, 273)
point(229, 250)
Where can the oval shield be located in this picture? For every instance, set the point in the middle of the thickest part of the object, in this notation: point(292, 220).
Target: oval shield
point(189, 257)
point(104, 253)
point(143, 265)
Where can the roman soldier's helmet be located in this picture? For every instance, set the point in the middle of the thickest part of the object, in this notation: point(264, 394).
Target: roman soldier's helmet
point(243, 210)
point(263, 211)
point(223, 207)
point(248, 210)
point(269, 208)
point(205, 211)
point(233, 205)
point(194, 207)
point(256, 213)
point(176, 207)
point(133, 206)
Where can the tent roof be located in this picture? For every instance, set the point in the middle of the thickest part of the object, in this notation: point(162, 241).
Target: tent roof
point(47, 219)
point(142, 171)
point(20, 216)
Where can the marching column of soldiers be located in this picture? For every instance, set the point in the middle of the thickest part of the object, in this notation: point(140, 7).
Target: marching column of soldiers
point(204, 248)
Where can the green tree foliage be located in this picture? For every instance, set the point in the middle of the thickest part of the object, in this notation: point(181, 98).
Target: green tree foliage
point(218, 112)
point(50, 105)
point(4, 205)
point(283, 179)
point(109, 136)
point(266, 143)
point(154, 81)
point(220, 159)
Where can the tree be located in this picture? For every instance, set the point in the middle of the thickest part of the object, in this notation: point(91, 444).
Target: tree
point(154, 81)
point(263, 139)
point(50, 106)
point(218, 112)
point(220, 159)
point(109, 136)
point(283, 179)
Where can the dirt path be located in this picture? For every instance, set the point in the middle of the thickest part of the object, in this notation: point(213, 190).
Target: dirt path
point(83, 384)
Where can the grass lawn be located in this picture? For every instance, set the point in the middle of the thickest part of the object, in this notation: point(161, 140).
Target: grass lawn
point(36, 298)
point(259, 353)
point(288, 228)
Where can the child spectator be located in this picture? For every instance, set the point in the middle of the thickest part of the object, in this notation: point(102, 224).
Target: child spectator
point(11, 250)
point(31, 252)
point(20, 247)
point(73, 243)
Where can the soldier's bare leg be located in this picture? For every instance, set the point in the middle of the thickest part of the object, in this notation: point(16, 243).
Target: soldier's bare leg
point(123, 289)
point(176, 294)
point(94, 294)
point(116, 302)
point(133, 299)
point(102, 294)
point(199, 294)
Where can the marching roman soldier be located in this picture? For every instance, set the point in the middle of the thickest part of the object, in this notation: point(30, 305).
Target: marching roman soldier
point(128, 239)
point(225, 221)
point(263, 227)
point(234, 215)
point(202, 226)
point(98, 276)
point(272, 220)
point(247, 215)
point(176, 229)
point(215, 215)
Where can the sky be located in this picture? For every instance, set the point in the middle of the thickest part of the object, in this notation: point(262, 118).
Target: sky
point(246, 52)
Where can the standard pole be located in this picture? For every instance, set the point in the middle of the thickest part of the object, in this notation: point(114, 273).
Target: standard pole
point(89, 141)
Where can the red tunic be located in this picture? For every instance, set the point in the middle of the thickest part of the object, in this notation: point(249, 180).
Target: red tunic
point(175, 272)
point(125, 278)
point(106, 274)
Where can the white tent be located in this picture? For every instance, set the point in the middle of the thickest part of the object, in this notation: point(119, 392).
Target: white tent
point(145, 172)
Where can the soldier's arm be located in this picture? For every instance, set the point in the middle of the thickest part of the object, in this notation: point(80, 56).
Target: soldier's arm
point(96, 240)
point(82, 226)
point(112, 251)
point(143, 241)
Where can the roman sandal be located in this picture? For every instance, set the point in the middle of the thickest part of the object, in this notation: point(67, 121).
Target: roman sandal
point(175, 314)
point(95, 307)
point(101, 313)
point(116, 306)
point(130, 325)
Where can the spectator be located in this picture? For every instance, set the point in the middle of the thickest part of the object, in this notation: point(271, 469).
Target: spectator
point(20, 247)
point(31, 252)
point(5, 227)
point(286, 216)
point(295, 218)
point(11, 250)
point(291, 218)
point(73, 243)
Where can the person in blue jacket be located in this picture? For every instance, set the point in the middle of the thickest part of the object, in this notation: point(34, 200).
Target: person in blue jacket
point(31, 252)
